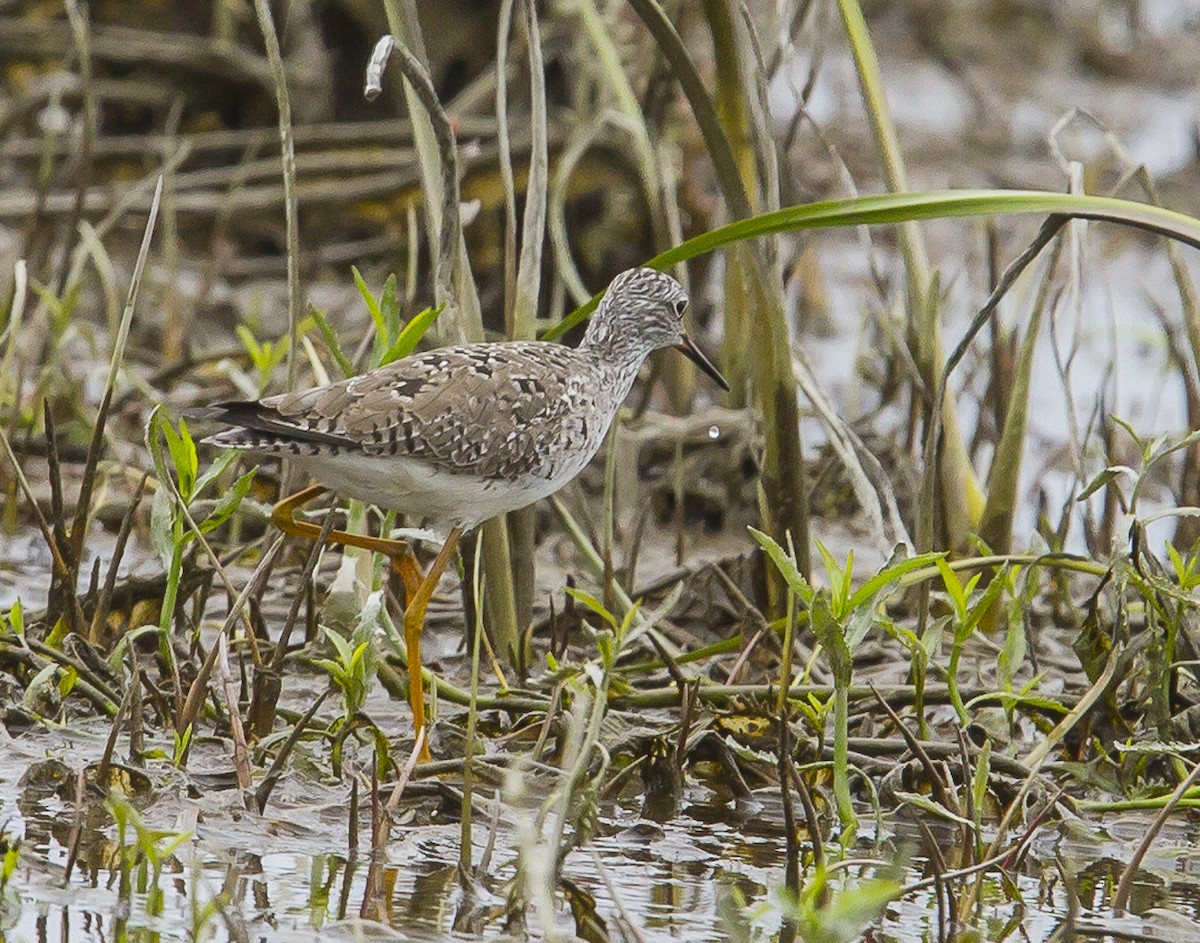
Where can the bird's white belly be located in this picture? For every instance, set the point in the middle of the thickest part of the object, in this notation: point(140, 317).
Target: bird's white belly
point(425, 492)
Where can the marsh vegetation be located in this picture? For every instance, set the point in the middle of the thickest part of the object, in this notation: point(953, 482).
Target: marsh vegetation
point(896, 641)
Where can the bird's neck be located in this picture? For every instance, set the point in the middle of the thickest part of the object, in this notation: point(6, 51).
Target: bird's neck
point(617, 357)
point(620, 351)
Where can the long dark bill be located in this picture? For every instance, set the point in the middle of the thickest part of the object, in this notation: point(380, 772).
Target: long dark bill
point(693, 353)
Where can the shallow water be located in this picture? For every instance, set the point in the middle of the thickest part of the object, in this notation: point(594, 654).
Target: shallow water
point(287, 875)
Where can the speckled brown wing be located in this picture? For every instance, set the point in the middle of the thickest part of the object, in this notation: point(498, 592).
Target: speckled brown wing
point(496, 411)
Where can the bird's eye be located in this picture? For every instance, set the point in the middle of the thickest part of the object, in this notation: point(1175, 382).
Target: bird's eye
point(680, 305)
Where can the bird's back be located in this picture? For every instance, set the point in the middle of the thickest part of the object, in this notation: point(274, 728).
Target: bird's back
point(497, 412)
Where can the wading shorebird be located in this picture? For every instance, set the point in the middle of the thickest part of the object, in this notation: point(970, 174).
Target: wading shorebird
point(462, 434)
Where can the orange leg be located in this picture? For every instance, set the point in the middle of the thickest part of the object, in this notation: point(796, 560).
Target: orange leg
point(414, 622)
point(418, 587)
point(283, 517)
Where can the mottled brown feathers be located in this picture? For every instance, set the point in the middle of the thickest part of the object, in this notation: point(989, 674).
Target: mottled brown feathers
point(498, 411)
point(526, 414)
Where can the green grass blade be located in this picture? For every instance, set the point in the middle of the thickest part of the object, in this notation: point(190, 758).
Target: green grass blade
point(413, 331)
point(331, 342)
point(371, 302)
point(890, 209)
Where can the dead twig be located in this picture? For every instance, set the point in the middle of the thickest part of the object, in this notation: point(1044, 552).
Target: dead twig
point(264, 790)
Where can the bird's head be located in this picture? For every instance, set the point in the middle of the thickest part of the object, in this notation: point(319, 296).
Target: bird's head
point(642, 311)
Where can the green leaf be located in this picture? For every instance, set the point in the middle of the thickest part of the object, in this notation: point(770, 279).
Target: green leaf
point(372, 305)
point(979, 784)
point(413, 331)
point(1000, 507)
point(985, 602)
point(1164, 447)
point(174, 841)
point(253, 347)
point(229, 502)
point(181, 743)
point(931, 640)
point(222, 461)
point(162, 507)
point(830, 634)
point(1008, 700)
point(857, 626)
point(66, 684)
point(630, 632)
point(1144, 445)
point(12, 855)
point(365, 632)
point(1109, 475)
point(344, 651)
point(60, 631)
point(389, 310)
point(1176, 562)
point(839, 579)
point(383, 754)
point(954, 587)
point(786, 566)
point(16, 618)
point(891, 574)
point(331, 342)
point(39, 682)
point(356, 658)
point(627, 622)
point(594, 604)
point(183, 455)
point(858, 906)
point(60, 309)
point(1012, 655)
point(334, 670)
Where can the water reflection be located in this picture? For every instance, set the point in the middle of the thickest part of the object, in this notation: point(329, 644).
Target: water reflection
point(671, 879)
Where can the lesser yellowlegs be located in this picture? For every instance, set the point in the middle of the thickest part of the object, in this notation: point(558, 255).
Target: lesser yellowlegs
point(462, 434)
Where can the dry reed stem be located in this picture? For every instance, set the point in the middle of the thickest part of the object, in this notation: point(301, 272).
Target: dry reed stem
point(241, 756)
point(266, 23)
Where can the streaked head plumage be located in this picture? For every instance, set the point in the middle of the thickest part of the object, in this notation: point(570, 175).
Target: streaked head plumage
point(642, 311)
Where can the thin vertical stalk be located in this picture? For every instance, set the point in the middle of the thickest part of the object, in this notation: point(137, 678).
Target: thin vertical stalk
point(933, 442)
point(1188, 528)
point(995, 526)
point(266, 23)
point(454, 285)
point(784, 496)
point(503, 142)
point(73, 551)
point(533, 225)
point(465, 862)
point(786, 771)
point(610, 513)
point(522, 296)
point(841, 762)
point(79, 17)
point(433, 138)
point(961, 498)
point(870, 78)
point(785, 667)
point(679, 374)
point(738, 307)
point(170, 597)
point(832, 635)
point(12, 330)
